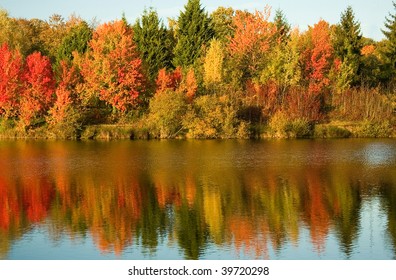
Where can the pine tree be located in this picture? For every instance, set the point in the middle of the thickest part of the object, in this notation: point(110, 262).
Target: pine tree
point(282, 26)
point(390, 45)
point(194, 31)
point(347, 46)
point(154, 43)
point(76, 40)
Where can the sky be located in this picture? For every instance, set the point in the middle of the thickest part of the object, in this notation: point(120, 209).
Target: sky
point(299, 13)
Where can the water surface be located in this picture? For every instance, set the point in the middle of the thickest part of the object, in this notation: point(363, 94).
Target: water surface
point(298, 199)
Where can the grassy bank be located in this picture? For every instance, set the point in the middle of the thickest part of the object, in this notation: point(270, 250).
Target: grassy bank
point(293, 130)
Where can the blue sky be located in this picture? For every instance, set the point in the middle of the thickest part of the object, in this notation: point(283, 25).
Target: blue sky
point(301, 13)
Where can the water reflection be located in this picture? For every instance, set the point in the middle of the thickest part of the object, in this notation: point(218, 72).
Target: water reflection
point(207, 199)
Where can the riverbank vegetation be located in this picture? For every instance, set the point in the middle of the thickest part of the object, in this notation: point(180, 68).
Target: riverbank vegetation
point(228, 74)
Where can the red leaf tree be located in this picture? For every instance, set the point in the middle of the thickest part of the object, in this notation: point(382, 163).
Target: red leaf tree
point(38, 88)
point(10, 80)
point(112, 69)
point(168, 80)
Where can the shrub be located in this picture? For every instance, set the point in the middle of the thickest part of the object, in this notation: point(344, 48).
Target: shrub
point(280, 126)
point(166, 113)
point(371, 129)
point(215, 117)
point(331, 131)
point(67, 127)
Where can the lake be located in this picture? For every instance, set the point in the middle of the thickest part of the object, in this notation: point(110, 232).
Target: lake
point(286, 199)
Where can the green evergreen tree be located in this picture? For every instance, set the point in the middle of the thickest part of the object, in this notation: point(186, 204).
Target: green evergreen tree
point(194, 31)
point(347, 46)
point(76, 39)
point(282, 26)
point(390, 44)
point(154, 42)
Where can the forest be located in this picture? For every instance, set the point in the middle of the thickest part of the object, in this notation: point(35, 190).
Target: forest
point(227, 74)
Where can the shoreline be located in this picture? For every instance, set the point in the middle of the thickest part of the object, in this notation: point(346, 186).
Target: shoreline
point(332, 130)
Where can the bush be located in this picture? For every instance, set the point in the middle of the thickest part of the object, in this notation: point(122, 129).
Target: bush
point(299, 128)
point(331, 131)
point(280, 126)
point(107, 132)
point(371, 129)
point(68, 127)
point(215, 117)
point(166, 113)
point(6, 124)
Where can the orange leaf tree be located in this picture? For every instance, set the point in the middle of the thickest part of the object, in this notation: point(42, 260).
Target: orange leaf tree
point(112, 68)
point(252, 39)
point(320, 57)
point(66, 95)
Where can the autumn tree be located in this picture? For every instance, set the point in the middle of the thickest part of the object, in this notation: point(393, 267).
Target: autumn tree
point(252, 40)
point(64, 116)
point(8, 29)
point(189, 85)
point(38, 88)
point(319, 57)
point(52, 35)
point(10, 80)
point(193, 32)
point(22, 34)
point(168, 80)
point(112, 68)
point(213, 64)
point(222, 21)
point(283, 67)
point(347, 44)
point(154, 42)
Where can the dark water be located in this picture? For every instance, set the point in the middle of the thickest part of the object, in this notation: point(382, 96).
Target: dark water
point(306, 199)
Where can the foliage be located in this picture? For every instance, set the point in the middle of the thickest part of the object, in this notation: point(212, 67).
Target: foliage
point(231, 72)
point(282, 27)
point(194, 31)
point(222, 20)
point(166, 114)
point(282, 126)
point(213, 64)
point(390, 44)
point(251, 41)
point(215, 117)
point(154, 43)
point(284, 68)
point(319, 57)
point(330, 131)
point(112, 69)
point(347, 44)
point(189, 85)
point(10, 80)
point(38, 89)
point(168, 80)
point(75, 40)
point(64, 118)
point(375, 129)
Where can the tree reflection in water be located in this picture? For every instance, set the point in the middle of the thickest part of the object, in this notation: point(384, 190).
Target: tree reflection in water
point(199, 196)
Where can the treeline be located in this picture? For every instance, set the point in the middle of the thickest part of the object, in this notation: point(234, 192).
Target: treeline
point(230, 74)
